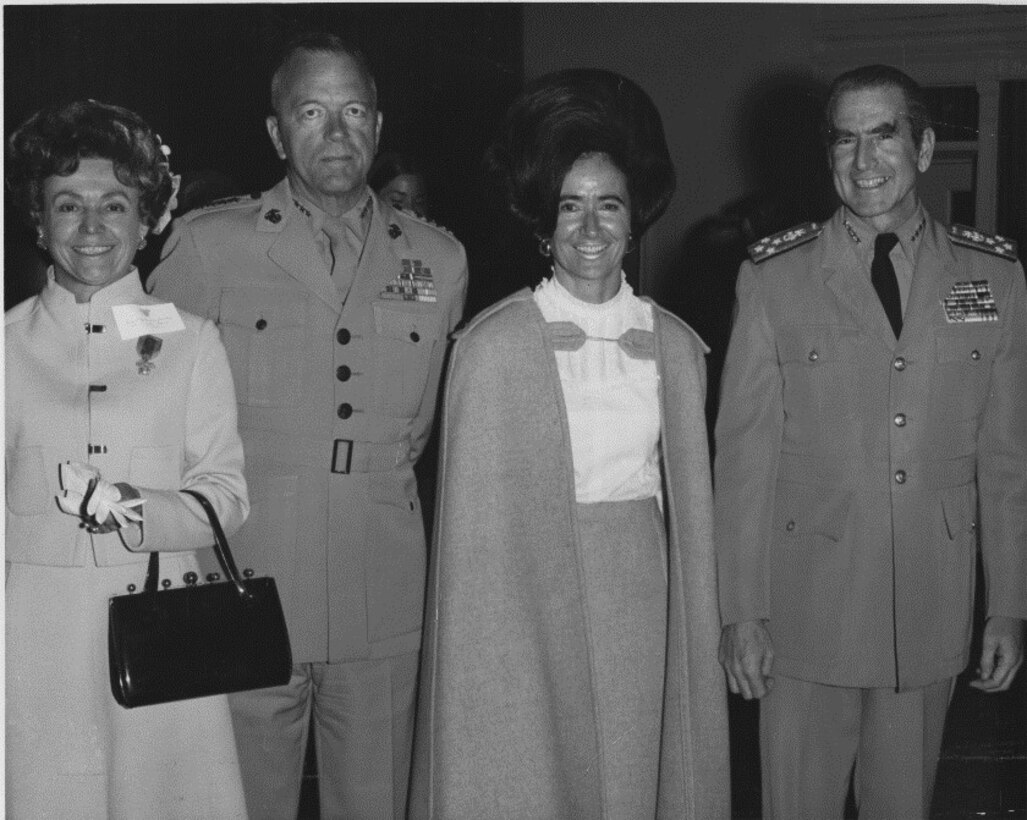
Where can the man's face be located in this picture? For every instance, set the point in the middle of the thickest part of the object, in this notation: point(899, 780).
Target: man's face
point(325, 127)
point(873, 157)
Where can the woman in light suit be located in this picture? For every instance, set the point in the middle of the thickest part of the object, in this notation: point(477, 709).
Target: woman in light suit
point(114, 403)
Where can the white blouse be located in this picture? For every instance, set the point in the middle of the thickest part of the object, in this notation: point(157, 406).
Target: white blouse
point(612, 399)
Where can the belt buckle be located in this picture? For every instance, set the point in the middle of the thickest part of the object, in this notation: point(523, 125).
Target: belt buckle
point(344, 470)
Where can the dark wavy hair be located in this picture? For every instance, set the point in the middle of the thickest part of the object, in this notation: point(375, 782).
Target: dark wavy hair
point(879, 76)
point(567, 114)
point(53, 140)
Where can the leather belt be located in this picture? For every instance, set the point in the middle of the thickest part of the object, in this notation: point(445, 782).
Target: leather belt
point(339, 456)
point(350, 456)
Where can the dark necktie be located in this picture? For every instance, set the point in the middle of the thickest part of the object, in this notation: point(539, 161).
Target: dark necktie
point(882, 274)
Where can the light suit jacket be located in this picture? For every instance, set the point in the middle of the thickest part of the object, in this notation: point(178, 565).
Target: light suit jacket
point(314, 371)
point(75, 393)
point(851, 466)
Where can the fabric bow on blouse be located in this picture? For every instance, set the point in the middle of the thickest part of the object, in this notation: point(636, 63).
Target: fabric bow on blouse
point(635, 342)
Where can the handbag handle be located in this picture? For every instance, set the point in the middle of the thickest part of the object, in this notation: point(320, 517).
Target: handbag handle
point(221, 549)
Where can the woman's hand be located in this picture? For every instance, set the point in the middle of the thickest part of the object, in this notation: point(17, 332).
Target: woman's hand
point(95, 507)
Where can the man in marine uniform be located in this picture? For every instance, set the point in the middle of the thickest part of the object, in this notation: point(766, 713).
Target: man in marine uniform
point(335, 310)
point(874, 399)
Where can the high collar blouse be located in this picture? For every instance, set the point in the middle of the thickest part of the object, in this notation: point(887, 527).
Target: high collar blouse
point(611, 398)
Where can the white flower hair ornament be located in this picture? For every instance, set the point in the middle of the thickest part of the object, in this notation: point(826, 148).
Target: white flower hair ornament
point(176, 182)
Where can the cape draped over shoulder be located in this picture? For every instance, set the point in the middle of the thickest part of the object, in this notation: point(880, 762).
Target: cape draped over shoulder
point(507, 722)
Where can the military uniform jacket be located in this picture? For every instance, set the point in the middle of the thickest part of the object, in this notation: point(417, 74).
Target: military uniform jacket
point(335, 404)
point(850, 465)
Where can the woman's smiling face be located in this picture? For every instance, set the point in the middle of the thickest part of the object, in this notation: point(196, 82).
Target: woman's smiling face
point(91, 226)
point(593, 228)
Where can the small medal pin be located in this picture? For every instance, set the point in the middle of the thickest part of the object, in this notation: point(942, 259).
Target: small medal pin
point(148, 347)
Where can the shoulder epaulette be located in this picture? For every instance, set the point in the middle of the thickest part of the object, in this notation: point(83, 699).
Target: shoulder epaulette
point(246, 199)
point(424, 221)
point(784, 241)
point(989, 243)
point(226, 203)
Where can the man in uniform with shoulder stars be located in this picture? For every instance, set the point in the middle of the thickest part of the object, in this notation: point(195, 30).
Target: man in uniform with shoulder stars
point(874, 399)
point(335, 310)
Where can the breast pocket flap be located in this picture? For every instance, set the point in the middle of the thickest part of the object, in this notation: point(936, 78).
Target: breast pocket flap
point(419, 328)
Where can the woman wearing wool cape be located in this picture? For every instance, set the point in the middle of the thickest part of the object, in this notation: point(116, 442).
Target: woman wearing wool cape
point(570, 652)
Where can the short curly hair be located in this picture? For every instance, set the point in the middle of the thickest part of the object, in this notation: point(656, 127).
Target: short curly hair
point(563, 116)
point(53, 140)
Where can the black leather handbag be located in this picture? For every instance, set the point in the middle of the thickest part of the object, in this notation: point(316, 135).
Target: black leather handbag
point(200, 639)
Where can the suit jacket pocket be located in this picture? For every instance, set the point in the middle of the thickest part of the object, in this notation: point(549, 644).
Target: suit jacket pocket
point(962, 370)
point(820, 381)
point(952, 567)
point(396, 556)
point(28, 491)
point(404, 341)
point(809, 570)
point(265, 333)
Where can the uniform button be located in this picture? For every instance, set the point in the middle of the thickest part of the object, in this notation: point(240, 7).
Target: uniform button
point(900, 419)
point(415, 336)
point(900, 476)
point(261, 324)
point(343, 336)
point(899, 363)
point(975, 355)
point(790, 526)
point(813, 356)
point(345, 410)
point(342, 373)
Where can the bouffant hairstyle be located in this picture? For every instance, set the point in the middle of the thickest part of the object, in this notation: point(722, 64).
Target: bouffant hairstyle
point(319, 42)
point(565, 115)
point(879, 76)
point(389, 165)
point(53, 140)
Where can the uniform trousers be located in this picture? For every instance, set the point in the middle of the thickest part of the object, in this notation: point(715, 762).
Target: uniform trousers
point(813, 737)
point(363, 733)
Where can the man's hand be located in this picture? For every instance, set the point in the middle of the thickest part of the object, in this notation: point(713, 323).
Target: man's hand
point(1001, 654)
point(747, 655)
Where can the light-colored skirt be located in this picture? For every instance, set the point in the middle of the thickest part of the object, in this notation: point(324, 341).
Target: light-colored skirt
point(624, 550)
point(72, 751)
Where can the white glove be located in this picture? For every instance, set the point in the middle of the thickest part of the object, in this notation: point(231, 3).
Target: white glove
point(83, 485)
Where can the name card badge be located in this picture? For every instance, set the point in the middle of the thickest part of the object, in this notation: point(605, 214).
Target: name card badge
point(134, 321)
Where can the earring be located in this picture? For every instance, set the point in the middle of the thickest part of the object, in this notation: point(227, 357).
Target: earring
point(545, 247)
point(41, 240)
point(142, 243)
point(632, 245)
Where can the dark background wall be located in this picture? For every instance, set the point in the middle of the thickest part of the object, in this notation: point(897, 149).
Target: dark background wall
point(198, 74)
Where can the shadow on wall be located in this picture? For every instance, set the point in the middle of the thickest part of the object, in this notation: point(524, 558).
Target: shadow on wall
point(787, 182)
